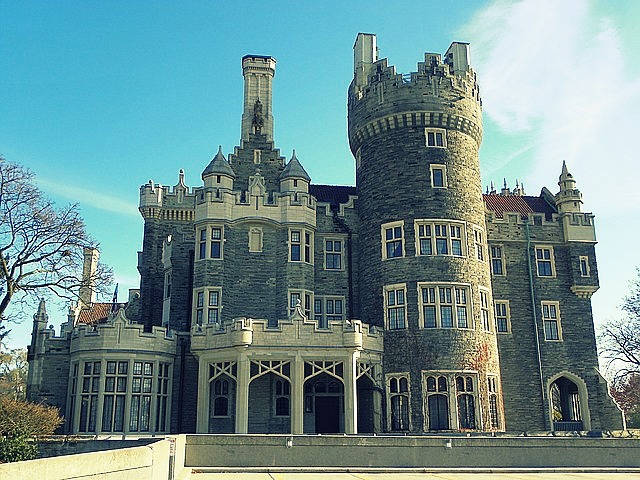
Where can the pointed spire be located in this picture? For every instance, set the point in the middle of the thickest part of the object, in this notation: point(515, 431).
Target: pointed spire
point(294, 169)
point(569, 198)
point(219, 166)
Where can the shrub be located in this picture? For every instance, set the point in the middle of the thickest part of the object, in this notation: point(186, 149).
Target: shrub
point(17, 447)
point(20, 420)
point(27, 417)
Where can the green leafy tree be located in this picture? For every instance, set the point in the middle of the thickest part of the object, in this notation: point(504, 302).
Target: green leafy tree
point(13, 373)
point(41, 246)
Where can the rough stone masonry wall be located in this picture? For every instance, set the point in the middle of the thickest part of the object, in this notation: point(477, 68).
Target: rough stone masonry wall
point(525, 398)
point(394, 184)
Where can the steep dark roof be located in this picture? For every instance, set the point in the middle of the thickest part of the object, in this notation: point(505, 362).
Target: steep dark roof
point(295, 170)
point(333, 194)
point(219, 166)
point(524, 205)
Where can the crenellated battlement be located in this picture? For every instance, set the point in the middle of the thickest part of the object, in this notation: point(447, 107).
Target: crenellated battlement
point(167, 203)
point(278, 207)
point(121, 334)
point(442, 93)
point(297, 330)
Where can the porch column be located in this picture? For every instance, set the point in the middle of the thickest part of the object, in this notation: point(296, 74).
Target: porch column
point(297, 395)
point(242, 395)
point(350, 397)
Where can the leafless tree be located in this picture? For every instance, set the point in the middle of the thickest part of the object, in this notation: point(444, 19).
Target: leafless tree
point(41, 246)
point(620, 338)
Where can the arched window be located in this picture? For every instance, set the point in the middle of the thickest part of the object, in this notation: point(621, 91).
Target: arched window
point(399, 403)
point(282, 395)
point(220, 397)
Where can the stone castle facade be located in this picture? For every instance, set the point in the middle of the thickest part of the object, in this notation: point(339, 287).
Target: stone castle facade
point(409, 303)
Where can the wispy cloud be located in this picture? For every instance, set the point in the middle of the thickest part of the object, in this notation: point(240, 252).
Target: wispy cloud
point(556, 73)
point(93, 198)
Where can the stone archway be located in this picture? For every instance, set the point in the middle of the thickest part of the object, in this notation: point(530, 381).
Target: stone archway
point(568, 403)
point(269, 404)
point(323, 404)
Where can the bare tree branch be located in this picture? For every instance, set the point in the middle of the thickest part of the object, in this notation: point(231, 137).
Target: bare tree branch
point(41, 246)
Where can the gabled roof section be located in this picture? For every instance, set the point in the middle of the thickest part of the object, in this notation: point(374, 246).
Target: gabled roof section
point(332, 194)
point(524, 205)
point(97, 313)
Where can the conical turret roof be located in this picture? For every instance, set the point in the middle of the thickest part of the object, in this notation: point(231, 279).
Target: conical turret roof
point(219, 166)
point(294, 169)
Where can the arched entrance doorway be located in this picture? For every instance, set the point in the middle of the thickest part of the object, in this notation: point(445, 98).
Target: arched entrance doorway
point(323, 404)
point(566, 408)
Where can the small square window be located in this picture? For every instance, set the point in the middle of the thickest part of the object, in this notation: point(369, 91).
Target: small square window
point(438, 176)
point(584, 267)
point(436, 137)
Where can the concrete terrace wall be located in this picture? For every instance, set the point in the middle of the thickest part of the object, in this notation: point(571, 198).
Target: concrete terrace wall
point(416, 452)
point(150, 462)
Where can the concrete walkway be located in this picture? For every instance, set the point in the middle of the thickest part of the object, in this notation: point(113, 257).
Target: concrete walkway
point(400, 475)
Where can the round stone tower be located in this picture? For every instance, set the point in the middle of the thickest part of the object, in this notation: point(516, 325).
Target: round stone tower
point(423, 253)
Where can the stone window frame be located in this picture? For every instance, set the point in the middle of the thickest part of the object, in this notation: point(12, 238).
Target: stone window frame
point(395, 288)
point(550, 314)
point(385, 242)
point(493, 392)
point(203, 306)
point(321, 314)
point(400, 380)
point(306, 301)
point(302, 238)
point(255, 239)
point(435, 137)
point(486, 310)
point(541, 259)
point(460, 296)
point(443, 171)
point(115, 377)
point(502, 310)
point(496, 257)
point(333, 252)
point(426, 229)
point(453, 393)
point(479, 244)
point(206, 241)
point(585, 270)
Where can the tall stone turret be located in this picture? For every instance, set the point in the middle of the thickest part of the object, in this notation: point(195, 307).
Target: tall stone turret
point(257, 117)
point(415, 138)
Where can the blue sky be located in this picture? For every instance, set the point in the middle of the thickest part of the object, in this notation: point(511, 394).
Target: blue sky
point(99, 97)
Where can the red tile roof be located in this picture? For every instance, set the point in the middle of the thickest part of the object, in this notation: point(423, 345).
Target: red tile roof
point(97, 313)
point(524, 205)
